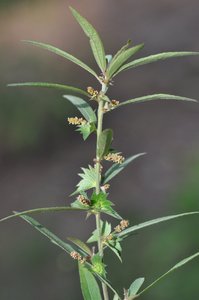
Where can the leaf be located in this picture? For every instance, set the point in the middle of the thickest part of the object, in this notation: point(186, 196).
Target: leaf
point(106, 282)
point(42, 210)
point(134, 228)
point(50, 85)
point(155, 97)
point(89, 179)
point(154, 58)
point(63, 54)
point(135, 286)
point(86, 129)
point(117, 168)
point(105, 231)
point(89, 285)
point(85, 109)
point(125, 47)
point(95, 41)
point(111, 212)
point(105, 140)
point(53, 238)
point(81, 245)
point(115, 251)
point(178, 265)
point(115, 297)
point(122, 58)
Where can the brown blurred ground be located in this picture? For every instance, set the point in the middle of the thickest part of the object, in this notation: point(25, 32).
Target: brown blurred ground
point(40, 155)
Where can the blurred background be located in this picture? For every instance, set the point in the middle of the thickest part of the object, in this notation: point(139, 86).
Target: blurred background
point(40, 154)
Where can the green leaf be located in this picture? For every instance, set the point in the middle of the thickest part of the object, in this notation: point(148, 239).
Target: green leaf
point(135, 286)
point(89, 285)
point(44, 210)
point(89, 179)
point(83, 106)
point(115, 297)
point(116, 251)
point(81, 245)
point(86, 129)
point(50, 85)
point(63, 54)
point(106, 282)
point(111, 212)
point(121, 58)
point(51, 236)
point(155, 97)
point(154, 58)
point(95, 41)
point(105, 140)
point(130, 230)
point(117, 168)
point(178, 265)
point(105, 231)
point(125, 47)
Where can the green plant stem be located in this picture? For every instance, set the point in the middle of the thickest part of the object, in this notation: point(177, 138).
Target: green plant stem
point(98, 165)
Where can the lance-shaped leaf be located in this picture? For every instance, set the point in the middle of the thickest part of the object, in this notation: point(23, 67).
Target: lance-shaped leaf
point(50, 85)
point(111, 212)
point(105, 140)
point(155, 97)
point(95, 41)
point(135, 286)
point(44, 210)
point(63, 54)
point(125, 47)
point(153, 58)
point(85, 109)
point(81, 245)
point(125, 233)
point(89, 286)
point(116, 248)
point(178, 265)
point(117, 168)
point(51, 236)
point(122, 58)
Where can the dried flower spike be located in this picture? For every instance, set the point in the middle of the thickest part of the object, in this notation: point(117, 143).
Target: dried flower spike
point(114, 157)
point(115, 103)
point(76, 121)
point(83, 200)
point(75, 255)
point(123, 224)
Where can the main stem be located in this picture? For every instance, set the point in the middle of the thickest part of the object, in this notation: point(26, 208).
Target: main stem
point(98, 166)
